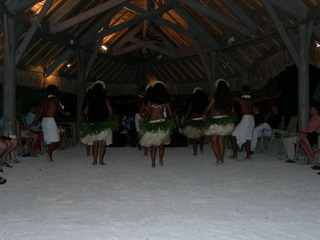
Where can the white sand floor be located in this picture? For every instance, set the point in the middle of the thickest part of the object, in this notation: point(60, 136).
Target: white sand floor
point(188, 198)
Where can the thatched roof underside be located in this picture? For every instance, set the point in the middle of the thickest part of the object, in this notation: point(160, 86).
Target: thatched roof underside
point(185, 43)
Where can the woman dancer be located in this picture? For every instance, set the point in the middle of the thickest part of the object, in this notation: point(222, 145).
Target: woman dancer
point(195, 126)
point(97, 129)
point(222, 122)
point(154, 122)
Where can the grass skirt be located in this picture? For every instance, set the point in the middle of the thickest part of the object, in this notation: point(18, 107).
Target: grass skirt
point(220, 125)
point(222, 130)
point(156, 133)
point(105, 135)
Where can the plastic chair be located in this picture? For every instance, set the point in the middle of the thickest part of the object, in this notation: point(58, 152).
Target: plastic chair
point(276, 136)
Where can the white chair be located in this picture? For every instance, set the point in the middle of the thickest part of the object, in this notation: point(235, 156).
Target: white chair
point(276, 136)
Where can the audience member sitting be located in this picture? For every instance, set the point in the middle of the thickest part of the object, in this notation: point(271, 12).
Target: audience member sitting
point(32, 112)
point(11, 144)
point(272, 122)
point(308, 137)
point(22, 133)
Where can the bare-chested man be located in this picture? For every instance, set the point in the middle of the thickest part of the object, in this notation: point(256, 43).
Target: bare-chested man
point(49, 126)
point(242, 133)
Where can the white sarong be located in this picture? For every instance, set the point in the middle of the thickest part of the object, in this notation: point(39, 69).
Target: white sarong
point(243, 131)
point(50, 130)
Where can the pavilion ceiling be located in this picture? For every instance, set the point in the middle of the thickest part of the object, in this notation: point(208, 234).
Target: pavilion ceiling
point(185, 42)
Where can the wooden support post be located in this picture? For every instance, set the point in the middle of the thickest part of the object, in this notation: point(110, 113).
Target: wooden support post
point(80, 86)
point(303, 80)
point(9, 82)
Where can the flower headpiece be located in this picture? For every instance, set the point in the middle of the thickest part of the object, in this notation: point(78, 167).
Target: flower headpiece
point(99, 82)
point(158, 82)
point(220, 80)
point(245, 96)
point(196, 89)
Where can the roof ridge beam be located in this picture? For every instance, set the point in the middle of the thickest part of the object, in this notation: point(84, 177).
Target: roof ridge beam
point(15, 6)
point(86, 15)
point(32, 30)
point(219, 17)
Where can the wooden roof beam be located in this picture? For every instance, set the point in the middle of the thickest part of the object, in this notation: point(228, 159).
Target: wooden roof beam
point(59, 61)
point(241, 15)
point(134, 21)
point(219, 17)
point(15, 6)
point(287, 41)
point(63, 11)
point(34, 26)
point(85, 15)
point(128, 36)
point(292, 7)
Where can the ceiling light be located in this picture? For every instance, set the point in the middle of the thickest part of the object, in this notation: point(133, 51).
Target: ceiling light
point(317, 44)
point(104, 48)
point(68, 65)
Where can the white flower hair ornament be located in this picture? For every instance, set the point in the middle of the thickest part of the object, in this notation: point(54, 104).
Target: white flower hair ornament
point(196, 89)
point(220, 80)
point(99, 82)
point(159, 82)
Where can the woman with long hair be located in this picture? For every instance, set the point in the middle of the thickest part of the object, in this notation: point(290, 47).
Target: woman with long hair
point(97, 129)
point(194, 126)
point(222, 122)
point(155, 123)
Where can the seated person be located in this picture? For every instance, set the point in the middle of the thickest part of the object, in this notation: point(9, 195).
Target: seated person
point(22, 133)
point(32, 112)
point(308, 137)
point(8, 144)
point(272, 122)
point(11, 143)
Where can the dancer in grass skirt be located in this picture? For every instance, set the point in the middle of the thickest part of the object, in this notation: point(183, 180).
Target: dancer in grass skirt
point(155, 123)
point(222, 122)
point(97, 128)
point(193, 122)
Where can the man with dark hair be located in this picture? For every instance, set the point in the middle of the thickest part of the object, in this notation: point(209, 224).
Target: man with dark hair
point(242, 133)
point(272, 122)
point(49, 126)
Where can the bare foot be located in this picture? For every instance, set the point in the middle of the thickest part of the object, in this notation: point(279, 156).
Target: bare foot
point(102, 163)
point(94, 163)
point(48, 157)
point(34, 155)
point(153, 165)
point(161, 163)
point(234, 156)
point(316, 153)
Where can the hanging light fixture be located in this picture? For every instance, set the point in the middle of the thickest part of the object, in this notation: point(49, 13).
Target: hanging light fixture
point(104, 48)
